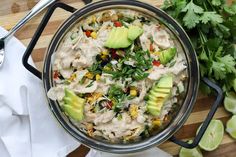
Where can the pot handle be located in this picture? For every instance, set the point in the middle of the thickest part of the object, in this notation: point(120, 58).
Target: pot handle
point(219, 98)
point(38, 33)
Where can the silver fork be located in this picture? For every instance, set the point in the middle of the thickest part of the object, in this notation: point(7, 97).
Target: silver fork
point(33, 12)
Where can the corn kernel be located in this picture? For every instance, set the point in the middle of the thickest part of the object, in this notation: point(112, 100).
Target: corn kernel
point(133, 92)
point(93, 35)
point(89, 75)
point(133, 110)
point(98, 77)
point(105, 53)
point(156, 122)
point(157, 53)
point(72, 77)
point(94, 97)
point(104, 57)
point(107, 68)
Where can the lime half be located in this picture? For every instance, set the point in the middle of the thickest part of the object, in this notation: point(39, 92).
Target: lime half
point(213, 136)
point(195, 152)
point(231, 126)
point(230, 102)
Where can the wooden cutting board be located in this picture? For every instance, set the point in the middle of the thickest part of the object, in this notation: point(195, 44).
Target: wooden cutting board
point(13, 10)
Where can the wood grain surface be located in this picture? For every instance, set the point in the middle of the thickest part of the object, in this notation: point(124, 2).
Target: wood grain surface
point(12, 11)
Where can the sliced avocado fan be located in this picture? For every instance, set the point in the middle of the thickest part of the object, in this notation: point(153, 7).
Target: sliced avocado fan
point(73, 105)
point(122, 37)
point(159, 94)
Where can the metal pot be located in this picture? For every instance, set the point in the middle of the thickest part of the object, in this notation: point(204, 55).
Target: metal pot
point(193, 73)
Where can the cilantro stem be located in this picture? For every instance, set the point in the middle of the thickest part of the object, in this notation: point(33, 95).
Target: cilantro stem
point(211, 6)
point(203, 42)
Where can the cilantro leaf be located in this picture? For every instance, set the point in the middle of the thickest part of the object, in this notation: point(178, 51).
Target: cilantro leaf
point(211, 16)
point(180, 4)
point(203, 56)
point(167, 4)
point(191, 19)
point(230, 10)
point(229, 63)
point(211, 25)
point(218, 70)
point(225, 30)
point(193, 7)
point(216, 2)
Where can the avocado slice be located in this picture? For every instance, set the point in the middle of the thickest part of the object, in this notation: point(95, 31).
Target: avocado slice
point(75, 114)
point(156, 103)
point(154, 110)
point(118, 38)
point(74, 105)
point(167, 55)
point(134, 32)
point(159, 94)
point(165, 82)
point(162, 90)
point(152, 97)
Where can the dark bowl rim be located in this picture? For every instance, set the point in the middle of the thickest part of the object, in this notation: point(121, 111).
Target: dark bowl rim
point(194, 79)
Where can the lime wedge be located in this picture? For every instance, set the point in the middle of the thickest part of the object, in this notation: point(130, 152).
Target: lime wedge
point(231, 126)
point(213, 136)
point(230, 102)
point(195, 152)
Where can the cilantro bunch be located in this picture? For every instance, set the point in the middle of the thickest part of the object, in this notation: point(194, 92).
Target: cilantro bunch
point(211, 25)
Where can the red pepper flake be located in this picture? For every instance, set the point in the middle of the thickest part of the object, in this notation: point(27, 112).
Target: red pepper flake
point(156, 63)
point(109, 105)
point(88, 33)
point(151, 48)
point(118, 24)
point(55, 74)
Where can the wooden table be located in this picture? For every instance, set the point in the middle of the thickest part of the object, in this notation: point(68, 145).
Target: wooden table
point(13, 10)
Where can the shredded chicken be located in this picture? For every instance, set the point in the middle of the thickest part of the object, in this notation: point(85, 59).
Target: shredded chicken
point(56, 93)
point(104, 118)
point(120, 128)
point(157, 72)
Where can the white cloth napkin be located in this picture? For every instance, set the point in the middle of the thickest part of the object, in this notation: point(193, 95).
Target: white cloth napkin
point(153, 152)
point(27, 128)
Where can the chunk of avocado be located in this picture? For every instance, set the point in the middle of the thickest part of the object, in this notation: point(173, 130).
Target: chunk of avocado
point(74, 105)
point(118, 38)
point(75, 114)
point(167, 55)
point(165, 82)
point(77, 103)
point(134, 32)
